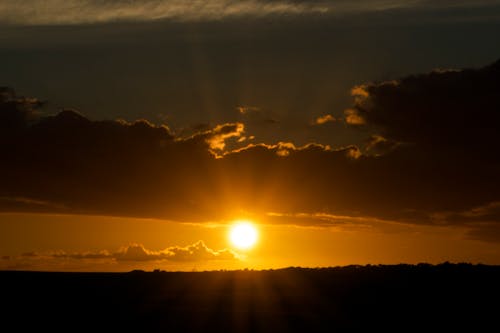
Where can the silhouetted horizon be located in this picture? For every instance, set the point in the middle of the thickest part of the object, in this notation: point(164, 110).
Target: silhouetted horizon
point(445, 296)
point(249, 269)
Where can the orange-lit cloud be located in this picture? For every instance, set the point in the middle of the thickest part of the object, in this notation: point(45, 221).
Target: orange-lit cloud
point(217, 137)
point(353, 117)
point(195, 252)
point(138, 253)
point(324, 119)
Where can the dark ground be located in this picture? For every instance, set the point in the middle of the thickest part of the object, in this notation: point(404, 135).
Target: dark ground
point(401, 297)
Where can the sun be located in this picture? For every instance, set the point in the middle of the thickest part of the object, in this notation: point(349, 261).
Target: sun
point(243, 235)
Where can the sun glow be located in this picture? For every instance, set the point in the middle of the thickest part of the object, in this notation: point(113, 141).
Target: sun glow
point(243, 235)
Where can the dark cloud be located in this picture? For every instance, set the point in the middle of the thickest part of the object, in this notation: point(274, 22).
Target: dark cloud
point(489, 232)
point(432, 158)
point(16, 112)
point(447, 124)
point(441, 110)
point(137, 252)
point(378, 145)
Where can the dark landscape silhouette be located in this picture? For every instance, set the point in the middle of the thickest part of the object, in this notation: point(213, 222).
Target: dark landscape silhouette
point(402, 297)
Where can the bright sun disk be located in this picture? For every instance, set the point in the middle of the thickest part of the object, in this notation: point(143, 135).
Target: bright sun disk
point(243, 235)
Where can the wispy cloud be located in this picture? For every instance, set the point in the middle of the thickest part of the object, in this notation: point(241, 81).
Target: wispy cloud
point(326, 220)
point(59, 12)
point(247, 109)
point(62, 12)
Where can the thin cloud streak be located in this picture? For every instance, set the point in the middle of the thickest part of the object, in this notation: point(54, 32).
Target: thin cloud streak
point(70, 12)
point(326, 220)
point(67, 12)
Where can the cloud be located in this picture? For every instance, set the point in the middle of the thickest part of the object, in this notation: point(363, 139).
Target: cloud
point(489, 232)
point(378, 145)
point(198, 252)
point(324, 119)
point(487, 213)
point(353, 117)
point(430, 158)
point(325, 220)
point(256, 115)
point(67, 12)
point(436, 111)
point(21, 204)
point(16, 112)
point(217, 137)
point(56, 12)
point(138, 253)
point(195, 252)
point(247, 109)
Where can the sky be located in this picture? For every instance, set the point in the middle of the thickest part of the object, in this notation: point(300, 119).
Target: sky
point(133, 134)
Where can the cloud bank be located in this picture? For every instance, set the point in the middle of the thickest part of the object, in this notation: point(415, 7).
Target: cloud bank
point(138, 253)
point(431, 158)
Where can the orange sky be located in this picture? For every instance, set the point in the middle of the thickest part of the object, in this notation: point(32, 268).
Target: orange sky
point(348, 134)
point(31, 240)
point(116, 195)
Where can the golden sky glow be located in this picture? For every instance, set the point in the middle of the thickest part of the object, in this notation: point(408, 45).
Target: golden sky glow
point(99, 243)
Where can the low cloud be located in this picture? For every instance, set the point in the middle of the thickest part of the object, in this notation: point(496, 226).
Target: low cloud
point(195, 252)
point(198, 252)
point(138, 253)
